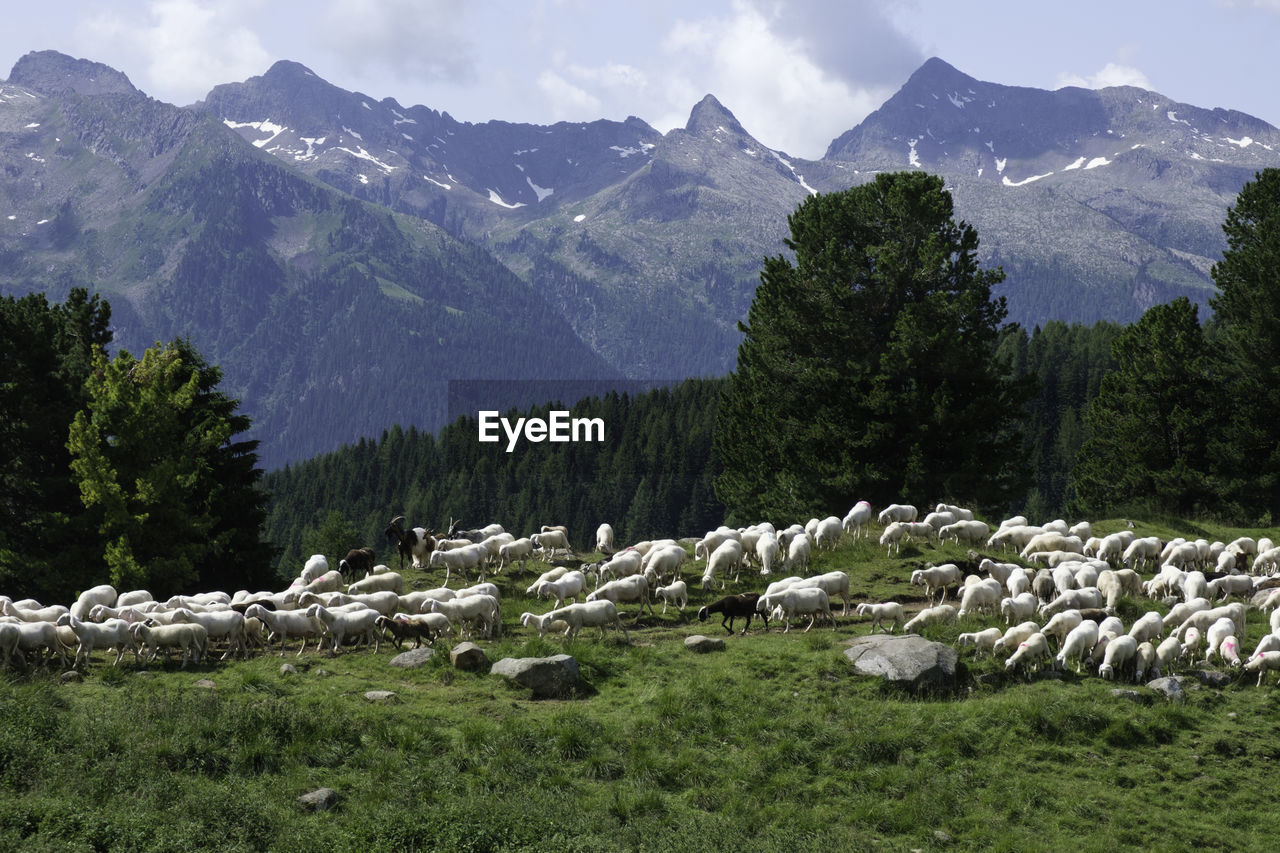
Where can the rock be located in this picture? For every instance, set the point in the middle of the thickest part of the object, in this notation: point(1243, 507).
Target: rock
point(319, 800)
point(943, 837)
point(1131, 695)
point(413, 658)
point(321, 673)
point(468, 656)
point(205, 684)
point(288, 669)
point(906, 660)
point(71, 677)
point(553, 677)
point(701, 644)
point(385, 697)
point(1214, 678)
point(1170, 688)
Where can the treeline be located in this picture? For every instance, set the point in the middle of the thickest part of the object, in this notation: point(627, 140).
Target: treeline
point(651, 476)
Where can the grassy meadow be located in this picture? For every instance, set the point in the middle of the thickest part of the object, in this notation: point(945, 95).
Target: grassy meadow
point(769, 745)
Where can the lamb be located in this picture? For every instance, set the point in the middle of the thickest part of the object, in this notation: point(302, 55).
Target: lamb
point(378, 583)
point(801, 601)
point(1167, 654)
point(936, 615)
point(1078, 644)
point(340, 625)
point(1263, 664)
point(417, 626)
point(1030, 653)
point(890, 610)
point(858, 516)
point(983, 596)
point(634, 588)
point(285, 624)
point(604, 539)
point(111, 634)
point(984, 640)
point(675, 593)
point(568, 586)
point(1191, 643)
point(191, 638)
point(483, 610)
point(1119, 657)
point(732, 607)
point(897, 512)
point(827, 536)
point(937, 577)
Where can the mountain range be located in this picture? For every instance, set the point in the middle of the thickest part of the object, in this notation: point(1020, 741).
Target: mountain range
point(344, 258)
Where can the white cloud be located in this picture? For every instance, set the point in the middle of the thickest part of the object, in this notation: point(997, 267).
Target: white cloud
point(186, 46)
point(425, 37)
point(567, 101)
point(1111, 74)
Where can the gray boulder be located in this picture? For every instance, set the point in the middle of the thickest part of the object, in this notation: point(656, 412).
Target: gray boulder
point(468, 656)
point(319, 800)
point(413, 658)
point(382, 697)
point(548, 678)
point(701, 644)
point(907, 661)
point(1170, 688)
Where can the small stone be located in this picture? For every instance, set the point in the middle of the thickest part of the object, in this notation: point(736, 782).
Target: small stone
point(1131, 695)
point(205, 684)
point(384, 697)
point(319, 800)
point(288, 669)
point(700, 644)
point(944, 837)
point(1231, 716)
point(71, 677)
point(321, 673)
point(1170, 688)
point(1215, 678)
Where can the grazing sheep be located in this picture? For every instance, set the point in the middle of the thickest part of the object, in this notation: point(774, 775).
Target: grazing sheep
point(983, 596)
point(937, 577)
point(1229, 651)
point(1119, 657)
point(984, 640)
point(732, 607)
point(1148, 626)
point(633, 588)
point(548, 541)
point(797, 555)
point(832, 583)
point(1031, 652)
point(675, 593)
point(1015, 635)
point(893, 535)
point(1167, 654)
point(936, 615)
point(803, 601)
point(1220, 630)
point(1042, 585)
point(827, 536)
point(483, 610)
point(1229, 585)
point(970, 532)
point(516, 551)
point(768, 551)
point(1061, 624)
point(1190, 643)
point(665, 562)
point(578, 616)
point(191, 638)
point(897, 512)
point(890, 610)
point(728, 557)
point(1143, 660)
point(568, 586)
point(1073, 599)
point(1078, 644)
point(1263, 664)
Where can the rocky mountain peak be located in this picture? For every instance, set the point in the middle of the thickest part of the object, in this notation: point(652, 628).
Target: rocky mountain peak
point(55, 73)
point(709, 115)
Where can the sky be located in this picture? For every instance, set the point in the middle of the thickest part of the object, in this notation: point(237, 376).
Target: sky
point(795, 73)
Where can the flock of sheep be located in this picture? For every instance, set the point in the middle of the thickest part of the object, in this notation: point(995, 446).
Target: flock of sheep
point(1059, 610)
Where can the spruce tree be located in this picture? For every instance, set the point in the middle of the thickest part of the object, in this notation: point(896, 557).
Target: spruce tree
point(868, 368)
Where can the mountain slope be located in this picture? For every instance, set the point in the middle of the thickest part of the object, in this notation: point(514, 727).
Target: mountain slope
point(331, 318)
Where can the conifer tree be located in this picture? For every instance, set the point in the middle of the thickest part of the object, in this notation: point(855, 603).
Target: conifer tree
point(868, 369)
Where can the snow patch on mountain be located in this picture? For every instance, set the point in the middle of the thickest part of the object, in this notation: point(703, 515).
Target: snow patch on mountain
point(799, 178)
point(497, 199)
point(438, 183)
point(1243, 142)
point(1075, 164)
point(541, 192)
point(365, 155)
point(1097, 161)
point(1024, 181)
point(912, 157)
point(629, 150)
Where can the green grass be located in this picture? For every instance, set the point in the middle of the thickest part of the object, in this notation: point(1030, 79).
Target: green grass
point(771, 744)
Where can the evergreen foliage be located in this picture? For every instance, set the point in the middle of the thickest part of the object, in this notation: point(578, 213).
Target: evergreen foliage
point(1247, 348)
point(46, 353)
point(155, 452)
point(869, 368)
point(652, 475)
point(1147, 431)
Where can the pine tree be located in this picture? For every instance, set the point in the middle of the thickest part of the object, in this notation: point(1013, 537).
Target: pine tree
point(868, 368)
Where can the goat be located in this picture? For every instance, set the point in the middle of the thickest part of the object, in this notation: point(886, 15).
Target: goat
point(416, 544)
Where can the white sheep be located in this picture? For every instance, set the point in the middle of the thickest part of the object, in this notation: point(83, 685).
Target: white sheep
point(1229, 585)
point(470, 556)
point(1061, 624)
point(1031, 652)
point(893, 534)
point(1143, 660)
point(803, 601)
point(675, 593)
point(768, 550)
point(483, 610)
point(983, 596)
point(984, 640)
point(666, 562)
point(967, 532)
point(857, 518)
point(1078, 644)
point(516, 551)
point(285, 625)
point(1148, 626)
point(604, 538)
point(1220, 630)
point(937, 577)
point(936, 615)
point(897, 512)
point(879, 613)
point(225, 625)
point(633, 588)
point(377, 583)
point(1190, 643)
point(959, 512)
point(568, 586)
point(1018, 608)
point(192, 639)
point(1000, 571)
point(111, 634)
point(548, 541)
point(1263, 664)
point(1205, 618)
point(827, 536)
point(1229, 650)
point(1167, 654)
point(708, 544)
point(797, 555)
point(832, 583)
point(578, 616)
point(101, 594)
point(622, 564)
point(339, 625)
point(940, 519)
point(1015, 635)
point(1119, 657)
